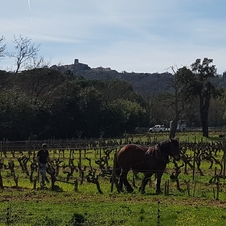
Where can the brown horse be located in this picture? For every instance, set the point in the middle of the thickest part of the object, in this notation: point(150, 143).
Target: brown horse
point(148, 160)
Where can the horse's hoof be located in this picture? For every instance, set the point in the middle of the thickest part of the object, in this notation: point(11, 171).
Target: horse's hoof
point(141, 191)
point(130, 190)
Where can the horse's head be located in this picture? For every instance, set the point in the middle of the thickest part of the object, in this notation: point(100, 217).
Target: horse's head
point(175, 149)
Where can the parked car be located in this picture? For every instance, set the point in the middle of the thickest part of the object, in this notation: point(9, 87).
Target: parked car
point(157, 128)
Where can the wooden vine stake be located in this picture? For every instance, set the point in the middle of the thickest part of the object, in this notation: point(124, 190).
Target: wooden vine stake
point(113, 179)
point(194, 188)
point(193, 170)
point(167, 187)
point(224, 159)
point(158, 214)
point(218, 188)
point(80, 157)
point(1, 181)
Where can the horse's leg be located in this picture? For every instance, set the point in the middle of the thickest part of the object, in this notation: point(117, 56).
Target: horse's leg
point(144, 182)
point(158, 183)
point(125, 181)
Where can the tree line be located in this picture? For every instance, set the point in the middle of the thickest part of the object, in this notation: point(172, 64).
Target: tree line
point(43, 103)
point(38, 102)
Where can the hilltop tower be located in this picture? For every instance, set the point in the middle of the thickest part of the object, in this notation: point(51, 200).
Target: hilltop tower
point(76, 61)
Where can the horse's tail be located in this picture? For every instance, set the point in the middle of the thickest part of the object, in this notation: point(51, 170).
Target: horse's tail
point(116, 170)
point(117, 167)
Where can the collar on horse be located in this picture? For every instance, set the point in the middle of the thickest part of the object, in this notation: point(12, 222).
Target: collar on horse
point(156, 152)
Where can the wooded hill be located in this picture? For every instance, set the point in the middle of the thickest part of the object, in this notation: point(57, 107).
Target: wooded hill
point(77, 101)
point(145, 84)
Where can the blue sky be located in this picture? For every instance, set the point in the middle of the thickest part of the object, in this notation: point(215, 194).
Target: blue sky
point(126, 35)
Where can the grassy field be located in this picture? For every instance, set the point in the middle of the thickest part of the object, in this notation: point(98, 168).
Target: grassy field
point(44, 207)
point(195, 204)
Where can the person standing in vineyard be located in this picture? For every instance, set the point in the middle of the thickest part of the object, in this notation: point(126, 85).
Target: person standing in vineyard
point(43, 158)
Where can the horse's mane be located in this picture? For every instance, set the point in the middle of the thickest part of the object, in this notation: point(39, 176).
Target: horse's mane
point(162, 151)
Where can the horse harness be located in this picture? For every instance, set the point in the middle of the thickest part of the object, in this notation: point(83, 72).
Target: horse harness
point(156, 153)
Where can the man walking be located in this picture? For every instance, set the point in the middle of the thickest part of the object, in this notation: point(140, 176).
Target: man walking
point(43, 158)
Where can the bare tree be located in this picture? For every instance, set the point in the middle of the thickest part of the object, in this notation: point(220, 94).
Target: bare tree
point(26, 52)
point(2, 47)
point(38, 62)
point(177, 100)
point(174, 101)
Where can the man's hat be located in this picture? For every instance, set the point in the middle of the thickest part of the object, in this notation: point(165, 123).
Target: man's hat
point(44, 145)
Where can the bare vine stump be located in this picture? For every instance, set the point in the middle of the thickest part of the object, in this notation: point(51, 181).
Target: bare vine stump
point(76, 185)
point(214, 196)
point(16, 178)
point(35, 183)
point(53, 180)
point(150, 182)
point(178, 185)
point(91, 178)
point(188, 187)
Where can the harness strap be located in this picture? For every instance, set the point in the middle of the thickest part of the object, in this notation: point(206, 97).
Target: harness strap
point(162, 158)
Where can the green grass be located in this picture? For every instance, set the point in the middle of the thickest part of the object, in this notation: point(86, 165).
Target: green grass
point(50, 208)
point(196, 206)
point(45, 207)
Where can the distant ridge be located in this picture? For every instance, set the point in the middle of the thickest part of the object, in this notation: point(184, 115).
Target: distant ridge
point(142, 83)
